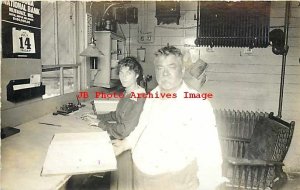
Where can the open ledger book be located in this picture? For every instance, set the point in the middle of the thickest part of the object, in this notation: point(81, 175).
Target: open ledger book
point(79, 153)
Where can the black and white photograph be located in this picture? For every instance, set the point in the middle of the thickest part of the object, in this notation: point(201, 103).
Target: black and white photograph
point(150, 95)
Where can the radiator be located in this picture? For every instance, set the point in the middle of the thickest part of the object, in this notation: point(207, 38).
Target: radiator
point(235, 129)
point(233, 24)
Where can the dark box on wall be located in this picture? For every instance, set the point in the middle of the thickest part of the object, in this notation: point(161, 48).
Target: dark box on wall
point(132, 15)
point(25, 93)
point(167, 12)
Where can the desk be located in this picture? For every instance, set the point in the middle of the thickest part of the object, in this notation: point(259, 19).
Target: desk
point(23, 154)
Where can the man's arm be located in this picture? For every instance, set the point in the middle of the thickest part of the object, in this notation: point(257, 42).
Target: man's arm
point(208, 150)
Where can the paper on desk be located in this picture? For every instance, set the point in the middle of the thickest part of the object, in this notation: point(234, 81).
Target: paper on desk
point(79, 153)
point(35, 81)
point(104, 106)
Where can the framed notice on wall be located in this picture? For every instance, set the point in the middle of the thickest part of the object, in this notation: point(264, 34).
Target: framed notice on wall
point(21, 29)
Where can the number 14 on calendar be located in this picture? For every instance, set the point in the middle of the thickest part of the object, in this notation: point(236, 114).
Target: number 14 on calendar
point(23, 41)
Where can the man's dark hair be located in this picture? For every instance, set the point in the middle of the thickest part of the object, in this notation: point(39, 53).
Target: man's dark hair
point(169, 50)
point(133, 64)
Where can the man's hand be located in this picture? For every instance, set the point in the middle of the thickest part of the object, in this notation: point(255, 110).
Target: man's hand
point(93, 122)
point(87, 116)
point(120, 146)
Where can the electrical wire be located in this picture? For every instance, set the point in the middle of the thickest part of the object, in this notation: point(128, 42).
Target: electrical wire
point(129, 38)
point(108, 8)
point(123, 37)
point(121, 30)
point(143, 23)
point(147, 17)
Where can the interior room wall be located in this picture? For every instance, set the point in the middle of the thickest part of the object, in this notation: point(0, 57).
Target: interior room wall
point(16, 69)
point(238, 81)
point(13, 114)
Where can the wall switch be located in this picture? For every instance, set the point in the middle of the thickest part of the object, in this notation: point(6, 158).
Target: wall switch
point(146, 37)
point(246, 52)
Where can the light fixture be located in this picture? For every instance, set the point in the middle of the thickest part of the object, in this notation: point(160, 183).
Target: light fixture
point(92, 51)
point(141, 54)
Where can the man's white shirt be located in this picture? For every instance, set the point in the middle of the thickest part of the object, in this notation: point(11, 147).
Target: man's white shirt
point(173, 132)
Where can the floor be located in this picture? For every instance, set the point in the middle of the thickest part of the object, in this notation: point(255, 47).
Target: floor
point(293, 182)
point(88, 182)
point(102, 182)
point(117, 180)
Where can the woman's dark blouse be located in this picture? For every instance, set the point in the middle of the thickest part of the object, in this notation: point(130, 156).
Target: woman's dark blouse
point(126, 116)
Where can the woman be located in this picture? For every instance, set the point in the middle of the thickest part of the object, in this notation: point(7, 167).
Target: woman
point(128, 110)
point(126, 118)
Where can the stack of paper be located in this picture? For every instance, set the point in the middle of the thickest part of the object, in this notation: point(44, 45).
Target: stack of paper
point(79, 153)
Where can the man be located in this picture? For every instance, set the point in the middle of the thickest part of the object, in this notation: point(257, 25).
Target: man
point(175, 145)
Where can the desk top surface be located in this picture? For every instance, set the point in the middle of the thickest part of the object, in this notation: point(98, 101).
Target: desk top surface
point(23, 154)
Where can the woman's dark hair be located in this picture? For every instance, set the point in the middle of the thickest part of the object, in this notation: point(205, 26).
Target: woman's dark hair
point(133, 65)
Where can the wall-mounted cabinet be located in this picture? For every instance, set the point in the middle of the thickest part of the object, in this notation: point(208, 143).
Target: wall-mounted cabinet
point(113, 48)
point(167, 12)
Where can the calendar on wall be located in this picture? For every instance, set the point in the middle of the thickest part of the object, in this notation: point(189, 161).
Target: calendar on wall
point(21, 29)
point(23, 41)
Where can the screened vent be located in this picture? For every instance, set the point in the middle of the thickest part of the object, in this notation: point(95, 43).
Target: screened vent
point(233, 24)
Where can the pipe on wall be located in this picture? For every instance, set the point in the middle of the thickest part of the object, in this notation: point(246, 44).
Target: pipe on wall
point(286, 35)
